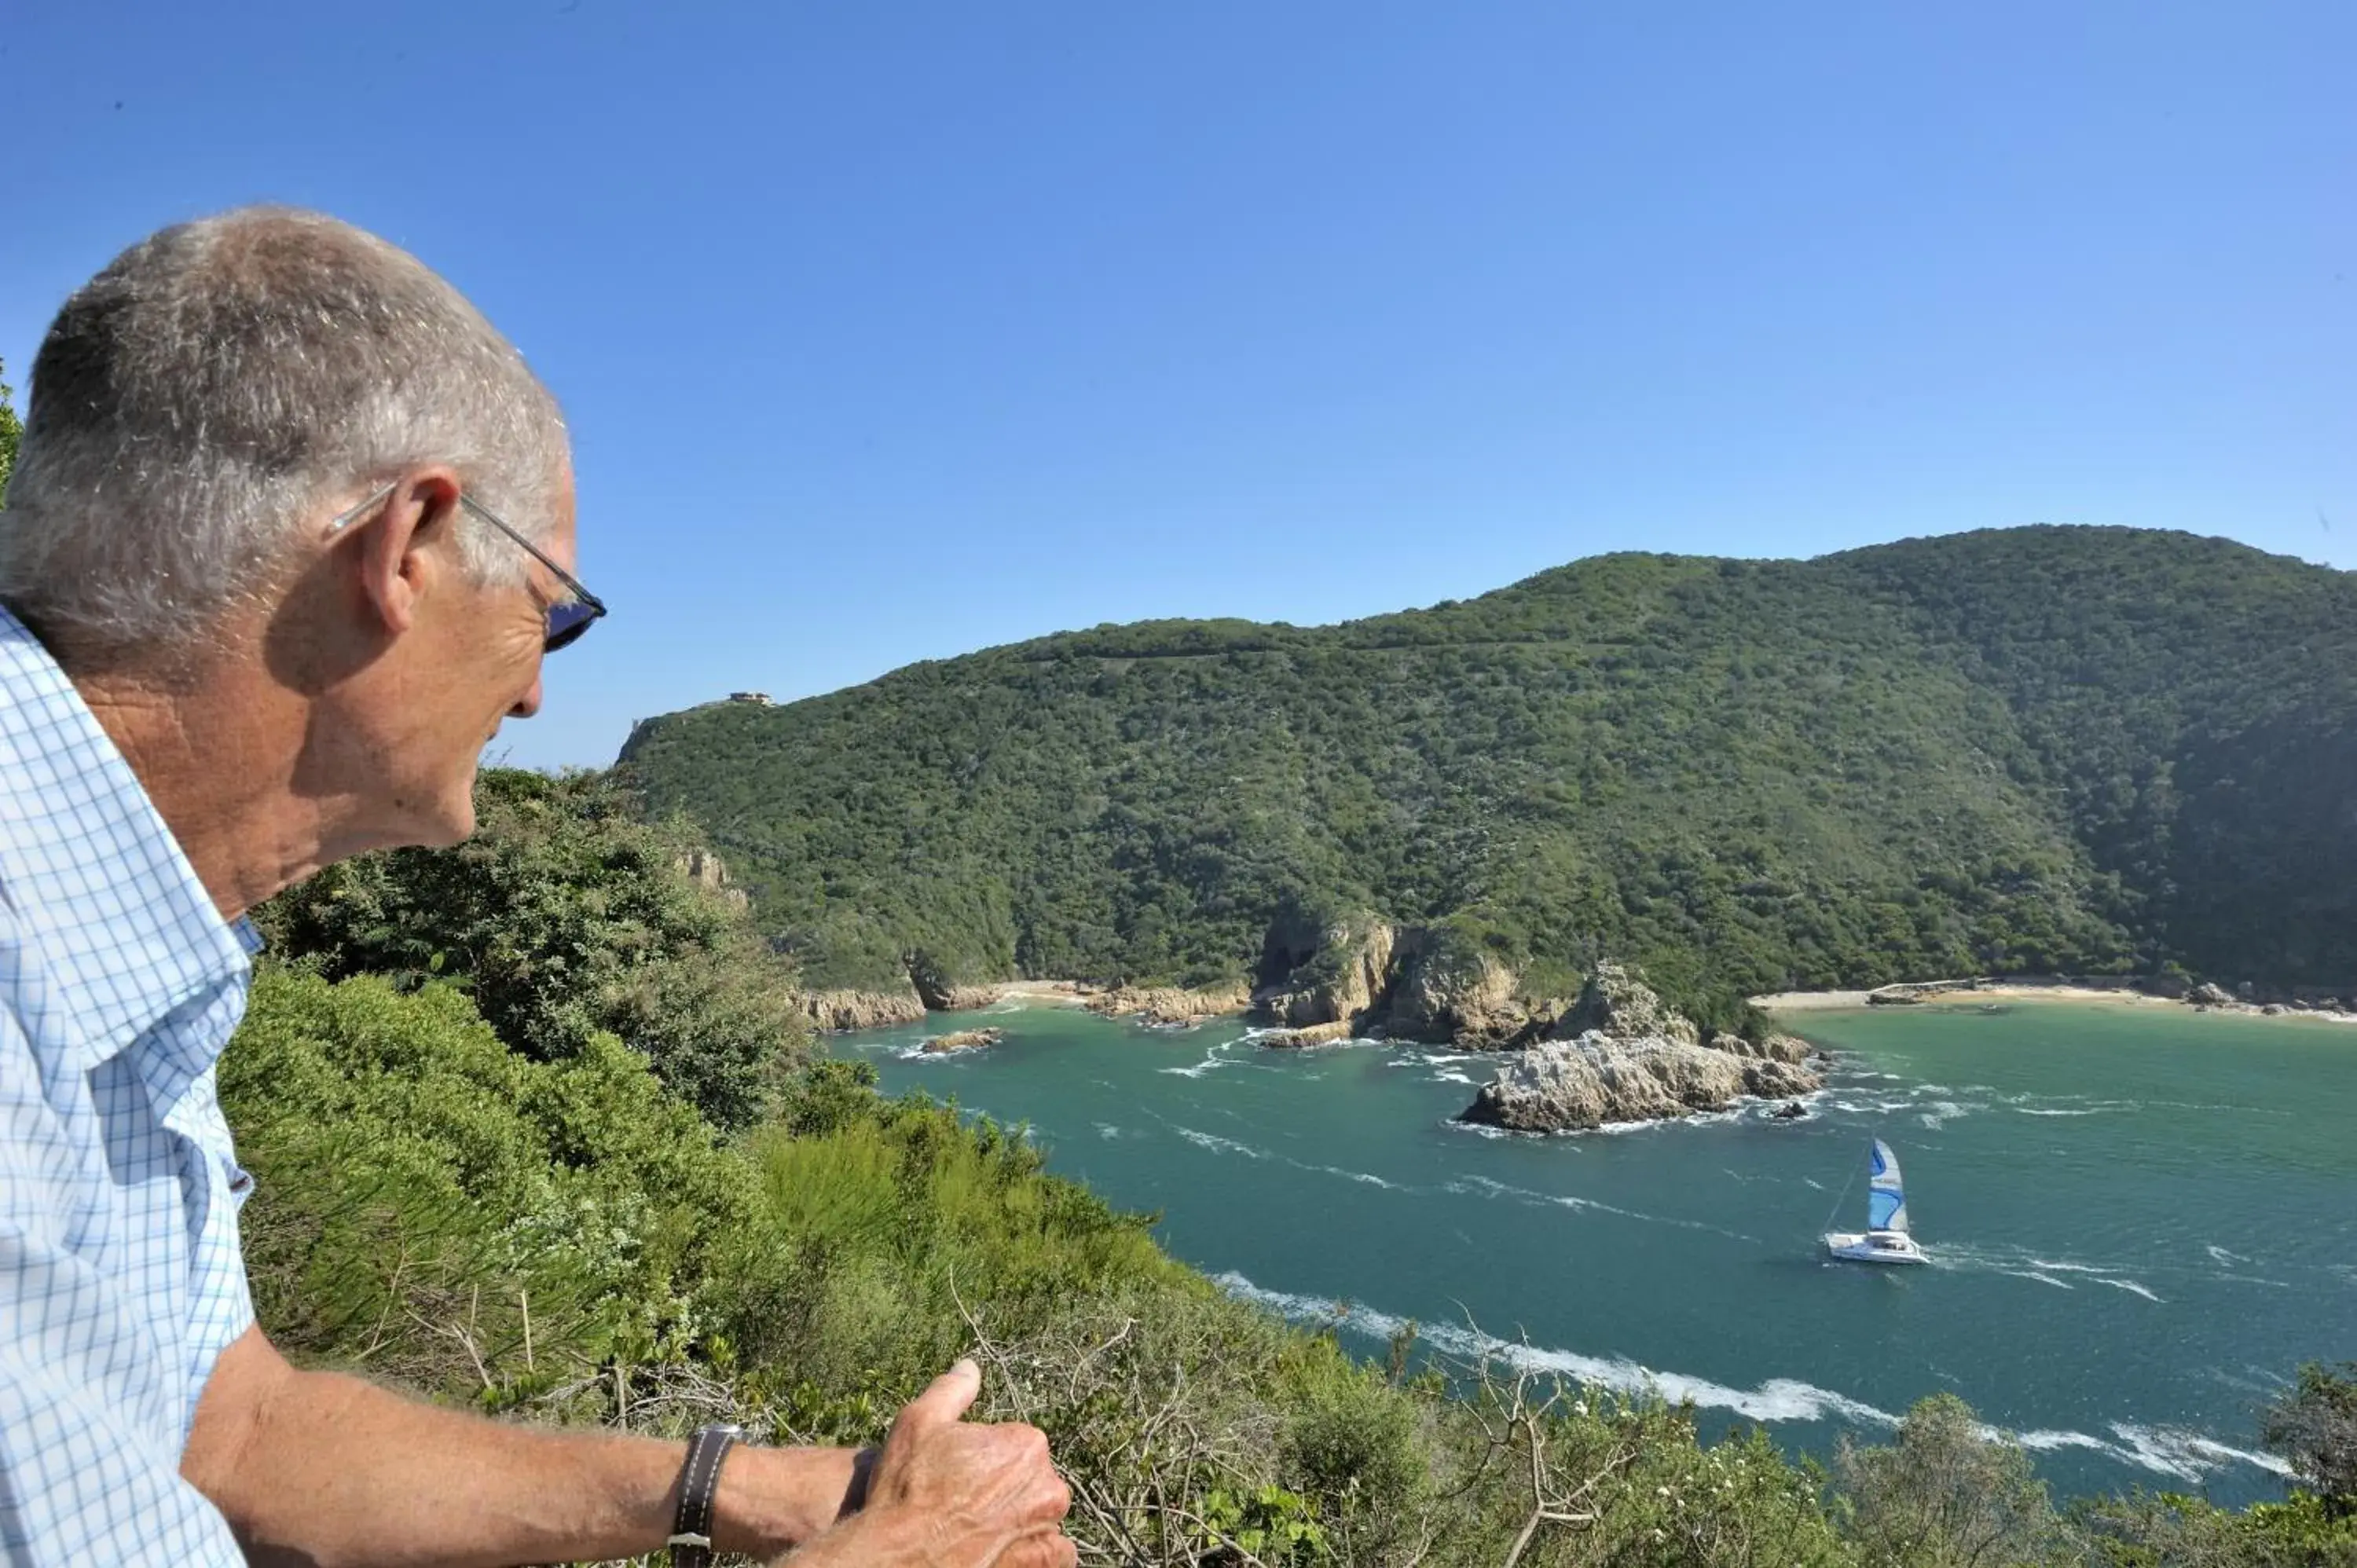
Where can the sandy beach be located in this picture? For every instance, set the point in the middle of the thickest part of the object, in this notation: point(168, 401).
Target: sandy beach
point(1038, 993)
point(1971, 994)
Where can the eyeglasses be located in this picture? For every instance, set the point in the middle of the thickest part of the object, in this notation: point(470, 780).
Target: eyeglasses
point(568, 618)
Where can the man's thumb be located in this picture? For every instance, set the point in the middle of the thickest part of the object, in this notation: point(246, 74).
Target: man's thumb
point(945, 1399)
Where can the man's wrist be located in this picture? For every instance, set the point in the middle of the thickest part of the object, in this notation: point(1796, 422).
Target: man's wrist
point(771, 1499)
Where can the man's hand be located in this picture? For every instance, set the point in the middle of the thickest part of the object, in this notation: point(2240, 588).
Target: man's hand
point(952, 1493)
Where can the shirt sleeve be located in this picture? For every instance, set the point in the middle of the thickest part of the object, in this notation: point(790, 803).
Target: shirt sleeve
point(89, 1460)
point(221, 1298)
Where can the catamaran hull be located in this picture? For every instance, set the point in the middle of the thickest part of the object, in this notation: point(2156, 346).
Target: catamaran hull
point(1867, 1249)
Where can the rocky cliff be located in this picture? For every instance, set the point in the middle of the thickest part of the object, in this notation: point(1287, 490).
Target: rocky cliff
point(1348, 971)
point(1168, 1003)
point(836, 1010)
point(1362, 976)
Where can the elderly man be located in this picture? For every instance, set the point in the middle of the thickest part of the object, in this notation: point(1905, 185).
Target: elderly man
point(289, 534)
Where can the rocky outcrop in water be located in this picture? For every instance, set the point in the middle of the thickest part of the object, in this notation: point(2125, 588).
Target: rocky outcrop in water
point(965, 1040)
point(1631, 1058)
point(1570, 1085)
point(1310, 1034)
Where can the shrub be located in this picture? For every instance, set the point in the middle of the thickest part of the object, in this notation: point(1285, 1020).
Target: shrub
point(2314, 1427)
point(564, 916)
point(1946, 1495)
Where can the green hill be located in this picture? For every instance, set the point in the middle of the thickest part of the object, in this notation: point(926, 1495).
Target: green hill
point(2042, 749)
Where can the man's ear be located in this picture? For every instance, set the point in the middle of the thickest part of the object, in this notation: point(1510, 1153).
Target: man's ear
point(398, 560)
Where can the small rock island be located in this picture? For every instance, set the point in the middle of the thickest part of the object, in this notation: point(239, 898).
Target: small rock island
point(1619, 1055)
point(965, 1040)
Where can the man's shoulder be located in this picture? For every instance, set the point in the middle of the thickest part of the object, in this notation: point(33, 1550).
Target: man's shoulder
point(104, 897)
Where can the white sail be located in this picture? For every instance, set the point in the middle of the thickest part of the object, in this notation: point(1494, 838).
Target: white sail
point(1886, 1201)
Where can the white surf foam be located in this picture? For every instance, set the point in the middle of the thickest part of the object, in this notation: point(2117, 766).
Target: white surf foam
point(1213, 1060)
point(1482, 1130)
point(2042, 1279)
point(1778, 1398)
point(2167, 1451)
point(1366, 1177)
point(1218, 1144)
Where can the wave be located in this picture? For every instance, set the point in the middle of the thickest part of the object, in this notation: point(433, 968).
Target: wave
point(1693, 1119)
point(1484, 1187)
point(1213, 1060)
point(1367, 1178)
point(1219, 1145)
point(2032, 1275)
point(2022, 1264)
point(2163, 1450)
point(1482, 1130)
point(2173, 1451)
point(1778, 1398)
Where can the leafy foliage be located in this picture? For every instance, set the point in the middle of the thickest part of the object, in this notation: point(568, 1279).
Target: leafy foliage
point(423, 1192)
point(2032, 750)
point(12, 432)
point(565, 915)
point(1946, 1496)
point(2314, 1425)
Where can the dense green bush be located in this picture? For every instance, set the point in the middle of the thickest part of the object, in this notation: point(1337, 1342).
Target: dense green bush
point(2314, 1425)
point(1945, 1495)
point(565, 915)
point(424, 1191)
point(12, 430)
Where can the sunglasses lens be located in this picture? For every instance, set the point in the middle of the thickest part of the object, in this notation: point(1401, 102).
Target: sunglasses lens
point(566, 622)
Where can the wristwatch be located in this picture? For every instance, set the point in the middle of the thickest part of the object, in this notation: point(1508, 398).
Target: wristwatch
point(699, 1483)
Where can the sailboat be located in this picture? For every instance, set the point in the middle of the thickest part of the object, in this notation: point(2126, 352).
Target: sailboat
point(1887, 1239)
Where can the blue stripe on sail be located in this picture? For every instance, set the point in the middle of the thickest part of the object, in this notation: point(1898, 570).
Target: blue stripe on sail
point(1881, 1208)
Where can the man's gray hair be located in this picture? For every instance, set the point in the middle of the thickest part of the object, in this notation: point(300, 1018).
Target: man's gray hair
point(215, 388)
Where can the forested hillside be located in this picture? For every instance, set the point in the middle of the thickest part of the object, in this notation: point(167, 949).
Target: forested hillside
point(2043, 749)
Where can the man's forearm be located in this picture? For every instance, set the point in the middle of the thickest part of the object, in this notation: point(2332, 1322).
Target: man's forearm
point(317, 1467)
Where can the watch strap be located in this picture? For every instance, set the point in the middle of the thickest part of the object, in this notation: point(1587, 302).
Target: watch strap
point(699, 1484)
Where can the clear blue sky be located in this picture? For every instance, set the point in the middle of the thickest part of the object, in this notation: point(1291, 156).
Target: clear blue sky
point(892, 331)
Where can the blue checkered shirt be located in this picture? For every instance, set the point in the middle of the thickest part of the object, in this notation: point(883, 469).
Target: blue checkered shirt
point(120, 1278)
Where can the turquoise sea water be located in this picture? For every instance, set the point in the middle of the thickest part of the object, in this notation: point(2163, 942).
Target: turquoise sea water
point(2142, 1219)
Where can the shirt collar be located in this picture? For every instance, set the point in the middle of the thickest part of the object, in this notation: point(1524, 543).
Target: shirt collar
point(126, 928)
